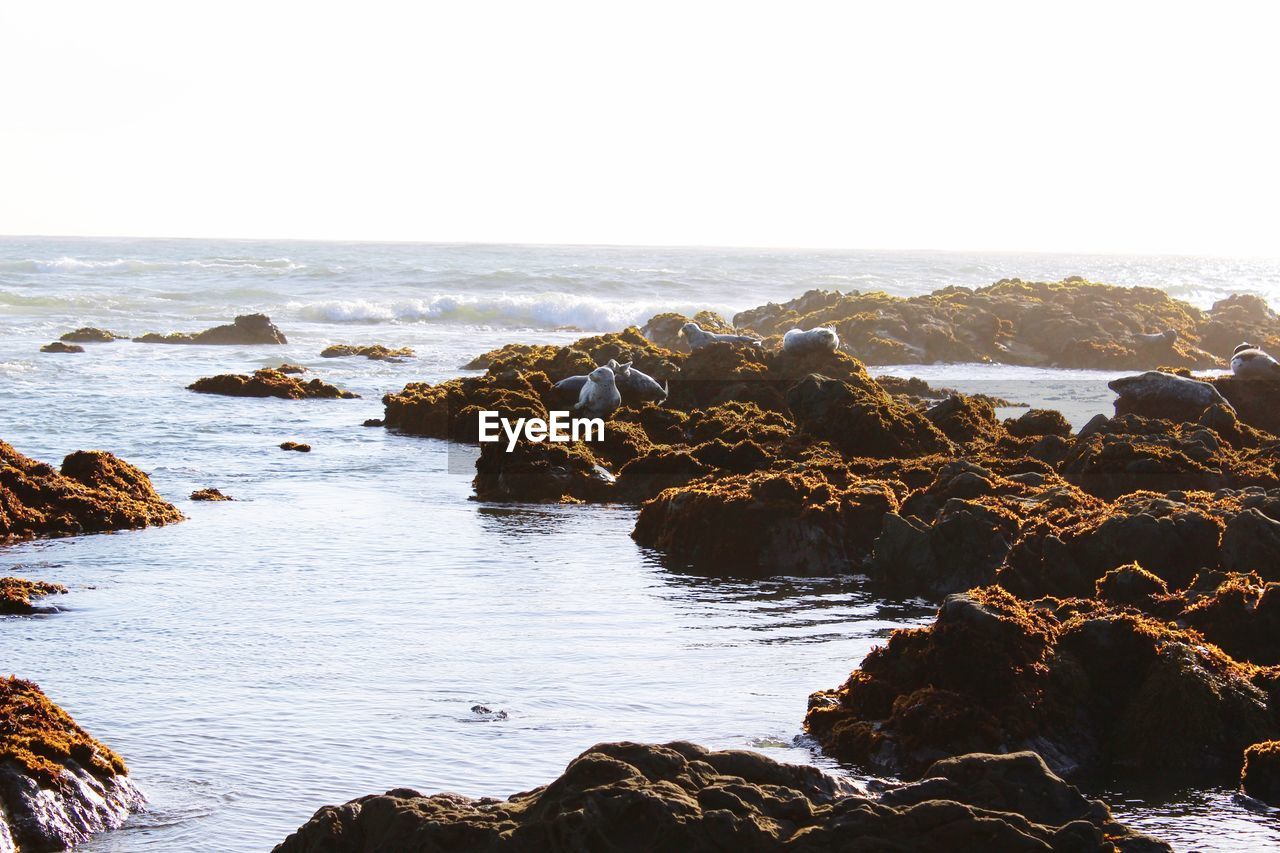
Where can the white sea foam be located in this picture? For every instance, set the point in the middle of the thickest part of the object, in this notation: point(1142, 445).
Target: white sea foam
point(546, 310)
point(139, 265)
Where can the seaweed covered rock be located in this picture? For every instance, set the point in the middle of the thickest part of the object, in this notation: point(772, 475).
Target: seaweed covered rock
point(1255, 401)
point(966, 420)
point(1130, 453)
point(862, 419)
point(1170, 537)
point(213, 495)
point(1071, 323)
point(582, 356)
point(91, 335)
point(1092, 689)
point(60, 347)
point(246, 330)
point(540, 472)
point(268, 382)
point(373, 352)
point(1039, 422)
point(680, 796)
point(1240, 613)
point(722, 372)
point(1260, 777)
point(1238, 318)
point(804, 521)
point(94, 492)
point(16, 594)
point(452, 409)
point(58, 785)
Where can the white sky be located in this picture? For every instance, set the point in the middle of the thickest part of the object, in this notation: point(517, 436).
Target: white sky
point(1144, 127)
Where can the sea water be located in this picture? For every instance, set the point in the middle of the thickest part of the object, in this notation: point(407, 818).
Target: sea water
point(328, 634)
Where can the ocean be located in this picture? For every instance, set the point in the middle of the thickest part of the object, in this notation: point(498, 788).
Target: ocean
point(328, 634)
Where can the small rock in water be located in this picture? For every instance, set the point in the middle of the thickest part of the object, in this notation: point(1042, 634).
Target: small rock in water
point(488, 713)
point(293, 445)
point(374, 422)
point(209, 495)
point(59, 346)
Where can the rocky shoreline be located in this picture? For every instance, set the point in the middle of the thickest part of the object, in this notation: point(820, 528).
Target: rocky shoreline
point(680, 796)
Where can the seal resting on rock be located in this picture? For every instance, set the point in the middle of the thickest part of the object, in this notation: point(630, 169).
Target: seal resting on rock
point(599, 396)
point(821, 339)
point(1156, 394)
point(1250, 362)
point(699, 338)
point(1168, 337)
point(640, 387)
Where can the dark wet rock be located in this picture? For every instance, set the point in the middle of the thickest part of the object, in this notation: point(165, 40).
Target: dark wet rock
point(961, 549)
point(451, 409)
point(1095, 424)
point(295, 446)
point(373, 422)
point(1251, 542)
point(1090, 688)
point(1038, 422)
point(540, 472)
point(1260, 777)
point(680, 796)
point(806, 521)
point(269, 383)
point(862, 419)
point(93, 492)
point(1256, 401)
point(1166, 396)
point(287, 367)
point(661, 468)
point(16, 594)
point(58, 785)
point(1240, 613)
point(373, 352)
point(60, 347)
point(209, 495)
point(246, 330)
point(91, 335)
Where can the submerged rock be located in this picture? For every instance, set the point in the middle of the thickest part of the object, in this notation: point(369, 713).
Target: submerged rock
point(373, 352)
point(59, 346)
point(269, 383)
point(58, 785)
point(680, 796)
point(1091, 688)
point(246, 330)
point(209, 495)
point(16, 594)
point(91, 335)
point(93, 492)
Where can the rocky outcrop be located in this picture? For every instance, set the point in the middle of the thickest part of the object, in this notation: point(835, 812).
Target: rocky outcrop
point(373, 352)
point(16, 594)
point(92, 493)
point(664, 329)
point(451, 409)
point(1256, 401)
point(1091, 688)
point(60, 347)
point(246, 330)
point(680, 796)
point(1071, 323)
point(540, 472)
point(58, 785)
point(91, 335)
point(269, 383)
point(803, 521)
point(862, 420)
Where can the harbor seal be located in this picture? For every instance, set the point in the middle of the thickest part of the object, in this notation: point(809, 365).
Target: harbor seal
point(1166, 338)
point(571, 385)
point(1155, 394)
point(699, 338)
point(1250, 362)
point(821, 339)
point(636, 385)
point(599, 396)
